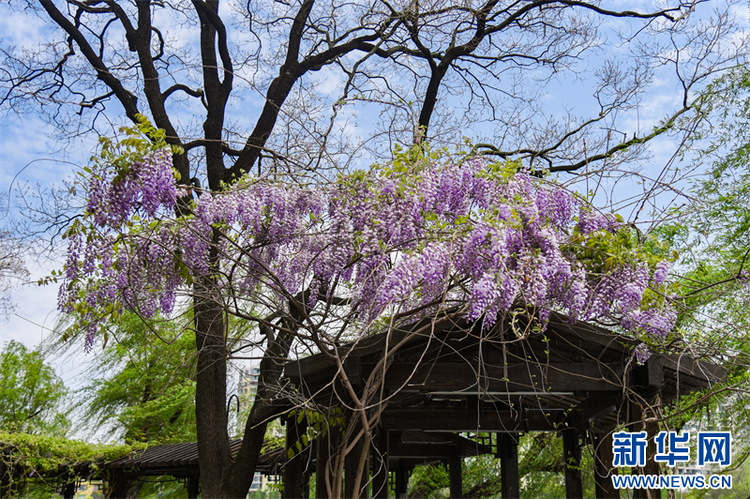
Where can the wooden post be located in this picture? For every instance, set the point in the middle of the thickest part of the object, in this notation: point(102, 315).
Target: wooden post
point(603, 470)
point(402, 482)
point(118, 484)
point(651, 468)
point(639, 415)
point(323, 454)
point(572, 455)
point(193, 486)
point(454, 470)
point(293, 467)
point(507, 451)
point(69, 490)
point(380, 465)
point(5, 473)
point(305, 485)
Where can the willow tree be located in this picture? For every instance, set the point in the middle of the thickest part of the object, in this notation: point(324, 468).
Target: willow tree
point(416, 71)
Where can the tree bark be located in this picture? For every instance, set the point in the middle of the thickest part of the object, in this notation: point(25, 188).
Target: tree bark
point(211, 384)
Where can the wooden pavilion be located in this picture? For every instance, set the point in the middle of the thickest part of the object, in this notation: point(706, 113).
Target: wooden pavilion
point(447, 377)
point(180, 461)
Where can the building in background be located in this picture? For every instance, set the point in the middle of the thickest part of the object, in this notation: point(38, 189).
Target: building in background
point(248, 383)
point(247, 387)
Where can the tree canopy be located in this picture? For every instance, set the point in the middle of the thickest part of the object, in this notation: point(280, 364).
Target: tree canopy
point(32, 394)
point(141, 386)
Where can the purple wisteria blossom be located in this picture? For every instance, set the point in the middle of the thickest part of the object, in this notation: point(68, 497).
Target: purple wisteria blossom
point(149, 184)
point(442, 236)
point(661, 273)
point(642, 354)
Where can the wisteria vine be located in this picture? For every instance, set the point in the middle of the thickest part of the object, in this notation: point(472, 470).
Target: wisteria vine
point(392, 240)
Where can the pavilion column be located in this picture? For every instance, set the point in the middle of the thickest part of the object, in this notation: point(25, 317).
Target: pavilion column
point(572, 455)
point(456, 477)
point(603, 469)
point(305, 485)
point(639, 415)
point(69, 490)
point(507, 451)
point(193, 486)
point(5, 472)
point(293, 467)
point(402, 482)
point(321, 465)
point(647, 381)
point(118, 484)
point(379, 459)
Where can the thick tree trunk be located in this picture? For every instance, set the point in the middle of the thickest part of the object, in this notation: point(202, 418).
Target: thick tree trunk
point(211, 386)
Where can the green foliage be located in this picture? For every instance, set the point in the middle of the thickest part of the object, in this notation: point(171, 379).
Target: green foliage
point(740, 486)
point(713, 238)
point(138, 142)
point(407, 162)
point(162, 488)
point(33, 456)
point(318, 426)
point(30, 391)
point(45, 452)
point(271, 494)
point(142, 384)
point(717, 229)
point(428, 482)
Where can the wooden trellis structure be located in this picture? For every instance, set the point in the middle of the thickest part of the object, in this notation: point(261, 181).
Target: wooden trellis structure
point(180, 461)
point(579, 380)
point(65, 477)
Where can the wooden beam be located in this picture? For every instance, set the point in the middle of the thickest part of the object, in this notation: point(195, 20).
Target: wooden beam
point(592, 409)
point(699, 372)
point(572, 455)
point(457, 421)
point(507, 451)
point(422, 450)
point(522, 377)
point(648, 379)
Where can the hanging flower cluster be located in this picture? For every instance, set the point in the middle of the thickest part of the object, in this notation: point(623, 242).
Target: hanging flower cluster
point(394, 241)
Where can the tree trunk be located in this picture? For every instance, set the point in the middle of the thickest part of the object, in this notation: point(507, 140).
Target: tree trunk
point(211, 385)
